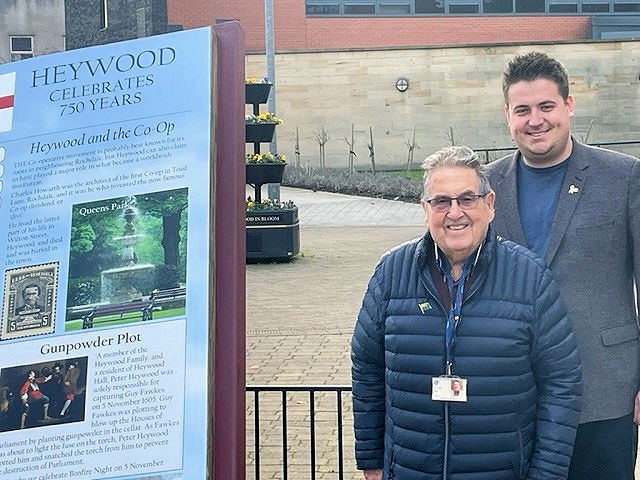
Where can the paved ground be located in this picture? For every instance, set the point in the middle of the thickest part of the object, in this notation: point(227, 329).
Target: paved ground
point(300, 314)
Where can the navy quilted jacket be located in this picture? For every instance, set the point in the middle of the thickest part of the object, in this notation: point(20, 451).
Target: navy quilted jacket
point(514, 344)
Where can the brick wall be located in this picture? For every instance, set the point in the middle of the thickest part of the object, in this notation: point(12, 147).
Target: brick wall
point(294, 31)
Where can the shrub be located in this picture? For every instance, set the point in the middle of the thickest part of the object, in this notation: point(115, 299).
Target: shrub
point(380, 185)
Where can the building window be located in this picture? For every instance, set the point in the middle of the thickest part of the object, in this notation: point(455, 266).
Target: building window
point(21, 47)
point(498, 6)
point(466, 7)
point(529, 6)
point(463, 6)
point(595, 7)
point(563, 8)
point(626, 7)
point(359, 9)
point(456, 8)
point(323, 9)
point(429, 6)
point(104, 18)
point(394, 9)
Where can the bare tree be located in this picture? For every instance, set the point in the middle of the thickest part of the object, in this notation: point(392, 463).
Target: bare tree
point(412, 146)
point(322, 137)
point(585, 137)
point(450, 137)
point(351, 144)
point(372, 153)
point(297, 148)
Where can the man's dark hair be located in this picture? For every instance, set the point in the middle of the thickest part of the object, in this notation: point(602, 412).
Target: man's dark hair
point(533, 66)
point(31, 285)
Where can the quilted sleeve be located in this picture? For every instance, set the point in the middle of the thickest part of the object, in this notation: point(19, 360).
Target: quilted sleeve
point(368, 376)
point(556, 365)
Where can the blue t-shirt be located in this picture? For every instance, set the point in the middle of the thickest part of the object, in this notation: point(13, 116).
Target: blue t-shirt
point(538, 192)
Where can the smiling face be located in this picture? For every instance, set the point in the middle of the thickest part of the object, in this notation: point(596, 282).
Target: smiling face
point(457, 232)
point(539, 120)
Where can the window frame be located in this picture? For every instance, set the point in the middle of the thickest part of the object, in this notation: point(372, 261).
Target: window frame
point(18, 54)
point(606, 7)
point(104, 14)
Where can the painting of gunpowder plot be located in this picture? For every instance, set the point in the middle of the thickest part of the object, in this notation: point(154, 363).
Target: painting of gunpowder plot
point(127, 260)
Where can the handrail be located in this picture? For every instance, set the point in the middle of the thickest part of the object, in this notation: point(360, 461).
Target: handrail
point(283, 409)
point(487, 151)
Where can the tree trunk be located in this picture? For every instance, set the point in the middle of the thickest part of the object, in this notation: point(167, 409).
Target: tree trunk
point(171, 238)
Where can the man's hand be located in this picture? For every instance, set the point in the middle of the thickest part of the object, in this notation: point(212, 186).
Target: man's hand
point(636, 410)
point(372, 474)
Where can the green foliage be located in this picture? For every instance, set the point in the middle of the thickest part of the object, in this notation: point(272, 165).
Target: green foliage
point(82, 237)
point(148, 249)
point(163, 203)
point(83, 291)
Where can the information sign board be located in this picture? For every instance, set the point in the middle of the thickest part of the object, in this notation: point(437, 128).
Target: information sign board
point(105, 171)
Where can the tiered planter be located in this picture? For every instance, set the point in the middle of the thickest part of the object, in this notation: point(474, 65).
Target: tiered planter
point(263, 173)
point(259, 133)
point(272, 235)
point(256, 93)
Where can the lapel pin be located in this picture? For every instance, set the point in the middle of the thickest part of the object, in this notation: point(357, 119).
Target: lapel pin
point(573, 189)
point(424, 307)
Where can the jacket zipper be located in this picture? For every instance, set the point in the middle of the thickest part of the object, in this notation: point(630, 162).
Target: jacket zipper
point(445, 463)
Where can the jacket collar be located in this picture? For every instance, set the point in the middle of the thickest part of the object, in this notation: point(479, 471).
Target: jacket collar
point(425, 253)
point(572, 190)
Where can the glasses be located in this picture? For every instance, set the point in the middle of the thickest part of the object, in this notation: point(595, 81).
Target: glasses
point(466, 201)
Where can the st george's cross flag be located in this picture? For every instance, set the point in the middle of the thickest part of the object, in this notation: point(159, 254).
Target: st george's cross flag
point(7, 91)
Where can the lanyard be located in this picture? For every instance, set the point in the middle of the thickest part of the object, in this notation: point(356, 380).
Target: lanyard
point(455, 313)
point(456, 293)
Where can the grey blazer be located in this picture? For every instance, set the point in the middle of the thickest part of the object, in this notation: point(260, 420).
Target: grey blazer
point(594, 253)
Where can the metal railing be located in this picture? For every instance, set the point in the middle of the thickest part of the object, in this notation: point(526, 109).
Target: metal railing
point(491, 154)
point(297, 429)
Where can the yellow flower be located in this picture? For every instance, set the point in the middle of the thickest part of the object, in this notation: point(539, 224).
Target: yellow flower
point(265, 117)
point(266, 157)
point(256, 80)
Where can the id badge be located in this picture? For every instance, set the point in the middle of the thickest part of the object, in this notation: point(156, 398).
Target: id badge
point(449, 389)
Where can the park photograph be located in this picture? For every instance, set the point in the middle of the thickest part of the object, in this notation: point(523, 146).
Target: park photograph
point(127, 260)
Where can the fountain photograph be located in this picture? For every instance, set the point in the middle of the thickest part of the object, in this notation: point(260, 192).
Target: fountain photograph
point(127, 260)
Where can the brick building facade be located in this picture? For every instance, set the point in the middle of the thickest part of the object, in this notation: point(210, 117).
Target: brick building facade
point(296, 31)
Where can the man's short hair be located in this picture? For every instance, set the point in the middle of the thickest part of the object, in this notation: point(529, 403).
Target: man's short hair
point(31, 285)
point(456, 156)
point(533, 66)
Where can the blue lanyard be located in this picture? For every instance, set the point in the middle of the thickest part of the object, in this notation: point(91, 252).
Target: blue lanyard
point(455, 312)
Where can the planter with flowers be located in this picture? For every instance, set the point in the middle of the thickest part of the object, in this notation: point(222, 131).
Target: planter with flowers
point(260, 128)
point(264, 168)
point(273, 232)
point(256, 90)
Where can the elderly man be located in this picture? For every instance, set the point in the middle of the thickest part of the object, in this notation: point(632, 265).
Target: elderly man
point(460, 303)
